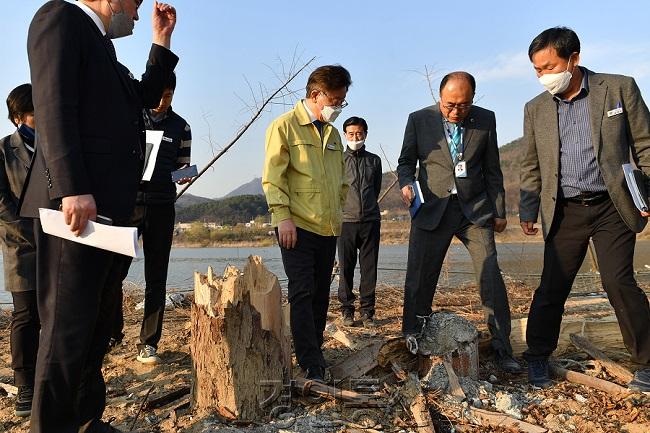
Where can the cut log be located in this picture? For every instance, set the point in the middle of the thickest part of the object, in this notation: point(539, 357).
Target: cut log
point(454, 384)
point(602, 332)
point(414, 400)
point(593, 382)
point(167, 398)
point(614, 369)
point(394, 350)
point(241, 352)
point(352, 399)
point(492, 419)
point(357, 364)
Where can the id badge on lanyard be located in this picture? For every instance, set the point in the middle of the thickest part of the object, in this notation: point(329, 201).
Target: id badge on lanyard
point(460, 166)
point(461, 169)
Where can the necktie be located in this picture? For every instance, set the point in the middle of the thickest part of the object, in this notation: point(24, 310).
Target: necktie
point(454, 143)
point(319, 125)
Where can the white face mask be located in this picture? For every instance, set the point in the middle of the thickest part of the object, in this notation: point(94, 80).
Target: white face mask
point(330, 113)
point(121, 23)
point(556, 83)
point(356, 145)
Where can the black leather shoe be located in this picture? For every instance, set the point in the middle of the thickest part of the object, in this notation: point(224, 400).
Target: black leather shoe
point(538, 373)
point(641, 381)
point(316, 373)
point(507, 363)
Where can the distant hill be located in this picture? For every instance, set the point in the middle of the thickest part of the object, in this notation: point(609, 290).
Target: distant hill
point(226, 211)
point(247, 201)
point(254, 187)
point(189, 200)
point(510, 155)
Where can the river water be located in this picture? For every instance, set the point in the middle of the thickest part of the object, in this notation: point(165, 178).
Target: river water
point(522, 261)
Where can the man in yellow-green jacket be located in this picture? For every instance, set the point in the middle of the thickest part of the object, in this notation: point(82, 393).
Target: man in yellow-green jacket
point(305, 189)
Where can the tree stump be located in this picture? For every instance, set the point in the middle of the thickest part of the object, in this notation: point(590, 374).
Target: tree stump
point(240, 345)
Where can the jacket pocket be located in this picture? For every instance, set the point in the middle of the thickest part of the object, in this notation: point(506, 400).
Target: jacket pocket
point(304, 157)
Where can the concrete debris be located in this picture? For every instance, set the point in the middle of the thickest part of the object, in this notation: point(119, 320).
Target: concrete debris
point(580, 399)
point(444, 333)
point(509, 404)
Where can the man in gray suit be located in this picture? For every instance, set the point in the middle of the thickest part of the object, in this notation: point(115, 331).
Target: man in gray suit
point(460, 177)
point(576, 137)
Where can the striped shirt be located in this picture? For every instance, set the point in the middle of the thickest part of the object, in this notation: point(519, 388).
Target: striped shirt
point(579, 171)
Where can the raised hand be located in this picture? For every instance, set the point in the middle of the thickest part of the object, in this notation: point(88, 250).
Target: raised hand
point(163, 21)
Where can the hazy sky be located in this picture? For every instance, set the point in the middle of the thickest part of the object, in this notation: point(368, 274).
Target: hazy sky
point(228, 47)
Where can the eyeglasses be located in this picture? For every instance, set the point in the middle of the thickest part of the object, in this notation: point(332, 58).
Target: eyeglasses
point(460, 107)
point(340, 103)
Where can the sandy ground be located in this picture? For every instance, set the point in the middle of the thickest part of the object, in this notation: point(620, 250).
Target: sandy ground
point(565, 407)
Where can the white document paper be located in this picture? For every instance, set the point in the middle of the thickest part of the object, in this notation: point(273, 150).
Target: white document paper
point(153, 139)
point(633, 186)
point(121, 240)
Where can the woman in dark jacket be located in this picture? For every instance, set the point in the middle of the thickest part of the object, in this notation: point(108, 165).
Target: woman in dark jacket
point(18, 247)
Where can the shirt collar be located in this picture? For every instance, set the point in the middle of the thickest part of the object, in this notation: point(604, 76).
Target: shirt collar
point(157, 118)
point(447, 124)
point(584, 87)
point(309, 113)
point(93, 16)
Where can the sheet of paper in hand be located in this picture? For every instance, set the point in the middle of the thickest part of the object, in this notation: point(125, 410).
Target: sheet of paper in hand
point(121, 240)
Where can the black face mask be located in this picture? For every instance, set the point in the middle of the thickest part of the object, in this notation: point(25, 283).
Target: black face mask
point(28, 134)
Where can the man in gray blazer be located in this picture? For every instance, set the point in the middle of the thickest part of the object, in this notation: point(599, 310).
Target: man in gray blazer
point(576, 137)
point(460, 177)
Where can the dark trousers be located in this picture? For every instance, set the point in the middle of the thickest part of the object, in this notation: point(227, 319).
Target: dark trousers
point(156, 226)
point(309, 269)
point(75, 303)
point(427, 249)
point(25, 327)
point(364, 238)
point(564, 251)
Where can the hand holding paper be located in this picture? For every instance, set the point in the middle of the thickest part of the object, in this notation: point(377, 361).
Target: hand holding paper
point(77, 210)
point(418, 199)
point(121, 240)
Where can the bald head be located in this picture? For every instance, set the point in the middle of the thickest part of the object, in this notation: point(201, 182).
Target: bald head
point(456, 95)
point(458, 78)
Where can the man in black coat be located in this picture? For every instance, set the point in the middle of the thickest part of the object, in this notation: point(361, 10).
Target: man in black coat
point(361, 224)
point(88, 162)
point(454, 142)
point(18, 246)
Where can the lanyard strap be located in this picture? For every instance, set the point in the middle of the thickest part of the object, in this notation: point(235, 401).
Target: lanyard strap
point(451, 139)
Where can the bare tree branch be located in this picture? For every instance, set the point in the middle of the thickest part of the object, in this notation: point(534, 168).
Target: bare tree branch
point(244, 128)
point(429, 74)
point(385, 193)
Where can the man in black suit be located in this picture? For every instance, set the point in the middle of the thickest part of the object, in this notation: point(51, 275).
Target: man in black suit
point(455, 143)
point(88, 162)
